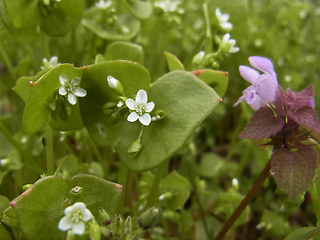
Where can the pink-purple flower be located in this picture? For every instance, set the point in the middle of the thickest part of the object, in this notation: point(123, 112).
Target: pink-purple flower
point(264, 88)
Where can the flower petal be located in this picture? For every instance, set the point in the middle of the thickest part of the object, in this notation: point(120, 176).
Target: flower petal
point(131, 104)
point(142, 96)
point(75, 81)
point(133, 117)
point(64, 224)
point(72, 98)
point(261, 63)
point(86, 215)
point(79, 92)
point(145, 119)
point(78, 228)
point(267, 87)
point(149, 107)
point(79, 205)
point(62, 91)
point(234, 49)
point(226, 37)
point(63, 79)
point(249, 73)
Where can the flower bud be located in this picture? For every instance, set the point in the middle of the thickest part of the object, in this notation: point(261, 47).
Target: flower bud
point(149, 218)
point(104, 216)
point(115, 85)
point(134, 148)
point(197, 59)
point(94, 231)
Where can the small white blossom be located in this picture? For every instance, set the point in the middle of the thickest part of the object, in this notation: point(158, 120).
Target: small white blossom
point(53, 62)
point(223, 20)
point(140, 108)
point(69, 87)
point(75, 217)
point(168, 5)
point(226, 40)
point(103, 4)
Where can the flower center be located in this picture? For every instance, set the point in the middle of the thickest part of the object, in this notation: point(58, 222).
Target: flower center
point(140, 109)
point(76, 216)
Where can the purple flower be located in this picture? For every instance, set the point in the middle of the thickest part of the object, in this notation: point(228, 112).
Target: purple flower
point(264, 88)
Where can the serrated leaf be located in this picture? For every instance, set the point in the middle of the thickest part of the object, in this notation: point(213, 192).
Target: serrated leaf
point(179, 187)
point(262, 124)
point(307, 118)
point(124, 51)
point(294, 170)
point(36, 112)
point(173, 62)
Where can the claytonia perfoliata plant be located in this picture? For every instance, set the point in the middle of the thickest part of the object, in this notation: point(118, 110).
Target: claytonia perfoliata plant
point(223, 20)
point(75, 218)
point(69, 87)
point(53, 62)
point(264, 86)
point(229, 44)
point(140, 108)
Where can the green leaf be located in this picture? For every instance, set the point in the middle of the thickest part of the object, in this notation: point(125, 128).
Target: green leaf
point(4, 204)
point(275, 225)
point(294, 170)
point(187, 101)
point(4, 234)
point(125, 28)
point(218, 80)
point(211, 165)
point(173, 62)
point(106, 130)
point(37, 113)
point(61, 19)
point(97, 192)
point(140, 8)
point(304, 233)
point(124, 51)
point(179, 187)
point(315, 196)
point(22, 87)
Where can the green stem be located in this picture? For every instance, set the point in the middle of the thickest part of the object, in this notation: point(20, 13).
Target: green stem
point(208, 27)
point(7, 60)
point(49, 150)
point(244, 203)
point(154, 191)
point(122, 179)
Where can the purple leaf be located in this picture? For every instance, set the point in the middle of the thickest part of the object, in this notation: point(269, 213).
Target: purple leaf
point(262, 124)
point(306, 117)
point(294, 170)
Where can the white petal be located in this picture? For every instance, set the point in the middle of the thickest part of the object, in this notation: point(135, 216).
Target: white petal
point(78, 228)
point(62, 91)
point(234, 49)
point(149, 106)
point(72, 98)
point(226, 37)
point(54, 61)
point(131, 104)
point(63, 79)
point(145, 119)
point(64, 224)
point(75, 81)
point(142, 96)
point(133, 117)
point(79, 92)
point(68, 210)
point(86, 215)
point(79, 205)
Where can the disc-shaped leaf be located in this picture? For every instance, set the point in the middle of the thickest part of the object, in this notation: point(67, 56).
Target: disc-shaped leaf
point(124, 51)
point(187, 101)
point(62, 18)
point(37, 113)
point(294, 170)
point(179, 187)
point(107, 130)
point(125, 28)
point(97, 193)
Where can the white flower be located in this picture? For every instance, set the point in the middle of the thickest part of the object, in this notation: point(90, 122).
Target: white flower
point(112, 82)
point(103, 4)
point(223, 20)
point(167, 5)
point(74, 218)
point(140, 108)
point(70, 87)
point(230, 42)
point(53, 62)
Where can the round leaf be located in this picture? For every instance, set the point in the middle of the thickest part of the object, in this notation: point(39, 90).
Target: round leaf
point(141, 8)
point(124, 51)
